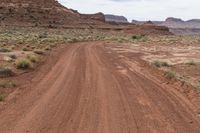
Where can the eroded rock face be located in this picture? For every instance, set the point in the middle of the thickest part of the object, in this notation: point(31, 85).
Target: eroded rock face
point(98, 16)
point(179, 23)
point(148, 23)
point(173, 20)
point(41, 13)
point(116, 18)
point(33, 12)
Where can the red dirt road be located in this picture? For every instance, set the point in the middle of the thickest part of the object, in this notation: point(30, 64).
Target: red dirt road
point(91, 90)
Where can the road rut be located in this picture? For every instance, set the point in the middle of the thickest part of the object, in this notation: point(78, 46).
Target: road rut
point(89, 90)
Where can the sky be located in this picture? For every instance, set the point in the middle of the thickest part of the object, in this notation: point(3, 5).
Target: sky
point(142, 10)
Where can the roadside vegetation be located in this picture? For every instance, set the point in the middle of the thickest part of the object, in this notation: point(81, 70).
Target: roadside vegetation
point(7, 84)
point(23, 49)
point(170, 75)
point(6, 72)
point(191, 63)
point(139, 37)
point(23, 64)
point(158, 63)
point(1, 97)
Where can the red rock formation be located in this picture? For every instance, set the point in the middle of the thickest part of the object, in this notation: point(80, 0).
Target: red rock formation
point(41, 13)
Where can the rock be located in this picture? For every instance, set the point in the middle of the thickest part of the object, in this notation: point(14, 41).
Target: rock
point(115, 18)
point(8, 59)
point(45, 13)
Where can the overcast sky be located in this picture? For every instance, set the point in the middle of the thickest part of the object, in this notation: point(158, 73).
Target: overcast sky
point(139, 9)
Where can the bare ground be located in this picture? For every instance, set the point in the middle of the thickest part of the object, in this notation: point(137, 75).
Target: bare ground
point(94, 89)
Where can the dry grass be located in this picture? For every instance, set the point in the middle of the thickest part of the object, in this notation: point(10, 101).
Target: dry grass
point(39, 52)
point(4, 50)
point(170, 75)
point(23, 64)
point(32, 58)
point(1, 98)
point(160, 64)
point(191, 63)
point(6, 72)
point(7, 84)
point(13, 56)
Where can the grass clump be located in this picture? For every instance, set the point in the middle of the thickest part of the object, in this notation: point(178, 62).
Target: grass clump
point(43, 35)
point(47, 48)
point(137, 37)
point(160, 64)
point(25, 49)
point(197, 86)
point(7, 84)
point(6, 72)
point(191, 63)
point(13, 56)
point(1, 98)
point(40, 52)
point(23, 64)
point(32, 58)
point(170, 75)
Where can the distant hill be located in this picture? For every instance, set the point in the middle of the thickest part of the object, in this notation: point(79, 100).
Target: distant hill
point(177, 25)
point(174, 23)
point(116, 18)
point(50, 13)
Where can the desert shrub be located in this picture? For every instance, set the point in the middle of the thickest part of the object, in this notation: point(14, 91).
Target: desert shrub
point(28, 46)
point(197, 86)
point(137, 37)
point(191, 63)
point(73, 40)
point(25, 49)
point(32, 58)
point(33, 47)
point(40, 52)
point(6, 72)
point(7, 84)
point(23, 64)
point(1, 98)
point(12, 47)
point(12, 56)
point(47, 48)
point(43, 35)
point(52, 45)
point(170, 75)
point(160, 64)
point(4, 50)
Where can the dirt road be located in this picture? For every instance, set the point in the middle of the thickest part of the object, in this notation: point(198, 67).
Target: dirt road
point(92, 89)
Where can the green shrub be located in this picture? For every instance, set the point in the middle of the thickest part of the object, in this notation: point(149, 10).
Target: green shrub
point(23, 64)
point(6, 72)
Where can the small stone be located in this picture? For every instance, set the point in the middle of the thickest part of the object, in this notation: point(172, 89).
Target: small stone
point(8, 59)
